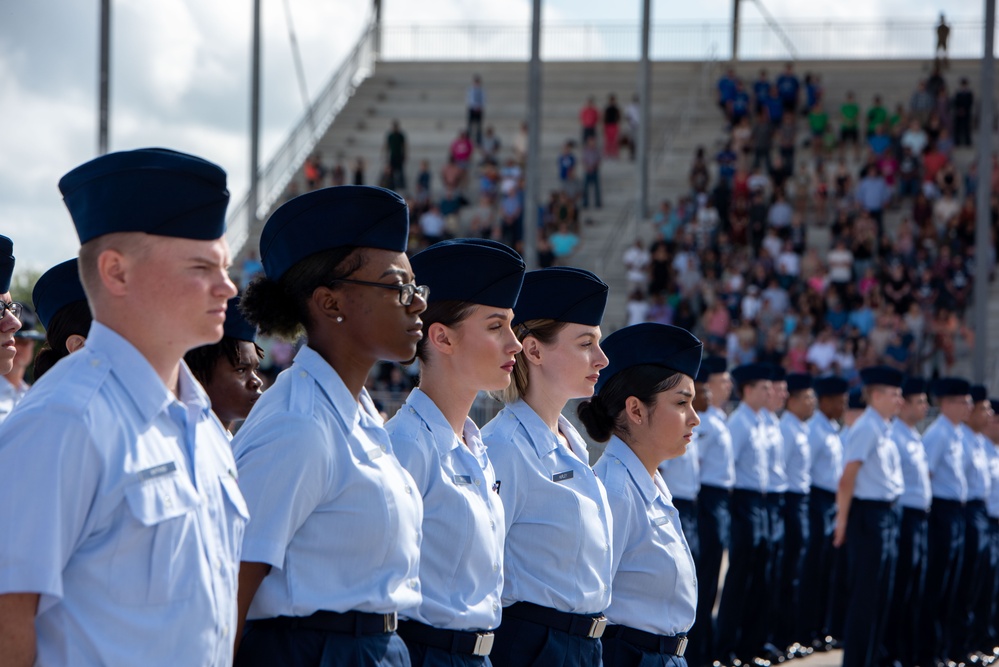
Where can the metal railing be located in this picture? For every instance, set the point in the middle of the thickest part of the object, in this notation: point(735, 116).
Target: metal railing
point(811, 40)
point(302, 139)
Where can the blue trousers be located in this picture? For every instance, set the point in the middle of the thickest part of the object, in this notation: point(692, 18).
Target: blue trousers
point(820, 556)
point(745, 586)
point(422, 655)
point(713, 522)
point(687, 509)
point(789, 627)
point(769, 620)
point(523, 643)
point(871, 551)
point(943, 570)
point(992, 586)
point(264, 645)
point(619, 653)
point(967, 623)
point(902, 630)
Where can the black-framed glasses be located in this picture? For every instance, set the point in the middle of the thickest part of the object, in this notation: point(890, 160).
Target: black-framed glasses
point(407, 292)
point(14, 308)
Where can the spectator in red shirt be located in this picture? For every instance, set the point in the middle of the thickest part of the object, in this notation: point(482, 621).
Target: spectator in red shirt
point(612, 117)
point(589, 116)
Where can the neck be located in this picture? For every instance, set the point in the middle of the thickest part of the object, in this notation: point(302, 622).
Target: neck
point(164, 357)
point(454, 401)
point(349, 363)
point(908, 420)
point(15, 377)
point(650, 460)
point(546, 404)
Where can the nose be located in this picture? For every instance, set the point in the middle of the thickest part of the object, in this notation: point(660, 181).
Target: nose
point(601, 361)
point(696, 420)
point(9, 323)
point(418, 305)
point(515, 345)
point(255, 382)
point(227, 287)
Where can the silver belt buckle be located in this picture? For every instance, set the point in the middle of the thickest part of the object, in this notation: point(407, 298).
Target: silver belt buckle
point(597, 627)
point(681, 646)
point(391, 622)
point(483, 643)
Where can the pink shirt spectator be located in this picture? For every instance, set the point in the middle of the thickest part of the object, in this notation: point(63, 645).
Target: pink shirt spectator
point(461, 149)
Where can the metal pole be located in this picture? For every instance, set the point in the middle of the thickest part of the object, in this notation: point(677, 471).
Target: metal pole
point(251, 207)
point(103, 93)
point(735, 30)
point(645, 120)
point(533, 176)
point(378, 29)
point(983, 221)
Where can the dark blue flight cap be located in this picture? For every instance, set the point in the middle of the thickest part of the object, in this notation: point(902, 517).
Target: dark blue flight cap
point(913, 385)
point(151, 190)
point(884, 375)
point(29, 325)
point(6, 263)
point(777, 373)
point(855, 400)
point(346, 215)
point(471, 270)
point(57, 288)
point(995, 405)
point(951, 386)
point(236, 325)
point(703, 373)
point(830, 385)
point(979, 393)
point(798, 382)
point(714, 364)
point(751, 373)
point(563, 294)
point(653, 344)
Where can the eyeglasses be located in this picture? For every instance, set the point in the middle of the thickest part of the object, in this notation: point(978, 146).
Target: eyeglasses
point(406, 292)
point(14, 308)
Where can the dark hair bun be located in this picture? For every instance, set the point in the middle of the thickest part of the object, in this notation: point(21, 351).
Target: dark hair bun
point(46, 359)
point(598, 422)
point(268, 306)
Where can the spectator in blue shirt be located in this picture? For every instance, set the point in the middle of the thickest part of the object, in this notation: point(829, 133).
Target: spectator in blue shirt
point(788, 86)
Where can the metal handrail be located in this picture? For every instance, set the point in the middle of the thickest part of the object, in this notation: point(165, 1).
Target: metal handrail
point(302, 139)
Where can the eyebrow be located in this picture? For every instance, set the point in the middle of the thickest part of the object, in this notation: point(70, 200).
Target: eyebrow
point(402, 273)
point(498, 316)
point(201, 259)
point(684, 392)
point(588, 334)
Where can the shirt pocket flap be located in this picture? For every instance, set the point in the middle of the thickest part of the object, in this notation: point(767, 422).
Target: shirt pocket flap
point(157, 500)
point(235, 496)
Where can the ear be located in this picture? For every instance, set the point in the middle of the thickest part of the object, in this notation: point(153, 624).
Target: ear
point(327, 303)
point(74, 343)
point(113, 269)
point(441, 338)
point(533, 351)
point(635, 411)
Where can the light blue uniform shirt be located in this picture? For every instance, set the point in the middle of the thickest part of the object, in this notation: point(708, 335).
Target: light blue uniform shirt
point(777, 478)
point(655, 588)
point(10, 396)
point(797, 453)
point(714, 449)
point(558, 520)
point(119, 506)
point(750, 448)
point(461, 557)
point(915, 472)
point(992, 504)
point(826, 448)
point(334, 513)
point(976, 464)
point(880, 476)
point(682, 474)
point(945, 454)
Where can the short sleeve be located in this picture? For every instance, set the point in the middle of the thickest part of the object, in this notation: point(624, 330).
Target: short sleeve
point(412, 451)
point(513, 475)
point(50, 475)
point(860, 444)
point(285, 465)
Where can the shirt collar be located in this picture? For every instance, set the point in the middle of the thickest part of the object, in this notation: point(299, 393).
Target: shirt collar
point(540, 436)
point(879, 422)
point(444, 436)
point(643, 480)
point(310, 362)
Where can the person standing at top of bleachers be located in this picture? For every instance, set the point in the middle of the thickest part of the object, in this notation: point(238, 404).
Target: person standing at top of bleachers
point(589, 116)
point(475, 102)
point(789, 88)
point(395, 153)
point(612, 118)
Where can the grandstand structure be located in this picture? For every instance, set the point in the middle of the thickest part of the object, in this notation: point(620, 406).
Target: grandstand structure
point(353, 115)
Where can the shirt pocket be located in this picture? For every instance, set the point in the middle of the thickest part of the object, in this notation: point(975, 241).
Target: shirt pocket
point(157, 559)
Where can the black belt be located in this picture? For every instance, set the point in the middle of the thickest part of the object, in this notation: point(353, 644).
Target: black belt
point(348, 623)
point(453, 641)
point(663, 644)
point(823, 493)
point(946, 502)
point(580, 625)
point(876, 504)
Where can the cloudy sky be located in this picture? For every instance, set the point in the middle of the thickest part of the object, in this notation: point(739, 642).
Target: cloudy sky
point(180, 78)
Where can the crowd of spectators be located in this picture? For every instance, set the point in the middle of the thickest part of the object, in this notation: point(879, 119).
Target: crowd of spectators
point(823, 242)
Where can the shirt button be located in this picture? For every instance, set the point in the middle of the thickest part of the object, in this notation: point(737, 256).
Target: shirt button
point(95, 362)
point(412, 411)
point(409, 489)
point(303, 374)
point(495, 567)
point(478, 482)
point(605, 588)
point(606, 547)
point(495, 606)
point(414, 584)
point(492, 524)
point(616, 462)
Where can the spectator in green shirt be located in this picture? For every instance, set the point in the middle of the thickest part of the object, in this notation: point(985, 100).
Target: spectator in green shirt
point(876, 115)
point(849, 113)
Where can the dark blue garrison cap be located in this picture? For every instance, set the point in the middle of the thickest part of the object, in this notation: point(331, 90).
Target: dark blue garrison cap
point(151, 190)
point(236, 325)
point(6, 263)
point(995, 404)
point(855, 401)
point(979, 393)
point(799, 382)
point(345, 215)
point(713, 364)
point(751, 373)
point(885, 375)
point(57, 288)
point(951, 387)
point(913, 385)
point(563, 294)
point(830, 386)
point(777, 373)
point(472, 270)
point(653, 344)
point(703, 373)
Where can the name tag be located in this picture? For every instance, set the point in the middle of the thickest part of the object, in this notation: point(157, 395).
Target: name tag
point(462, 479)
point(157, 471)
point(660, 520)
point(562, 476)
